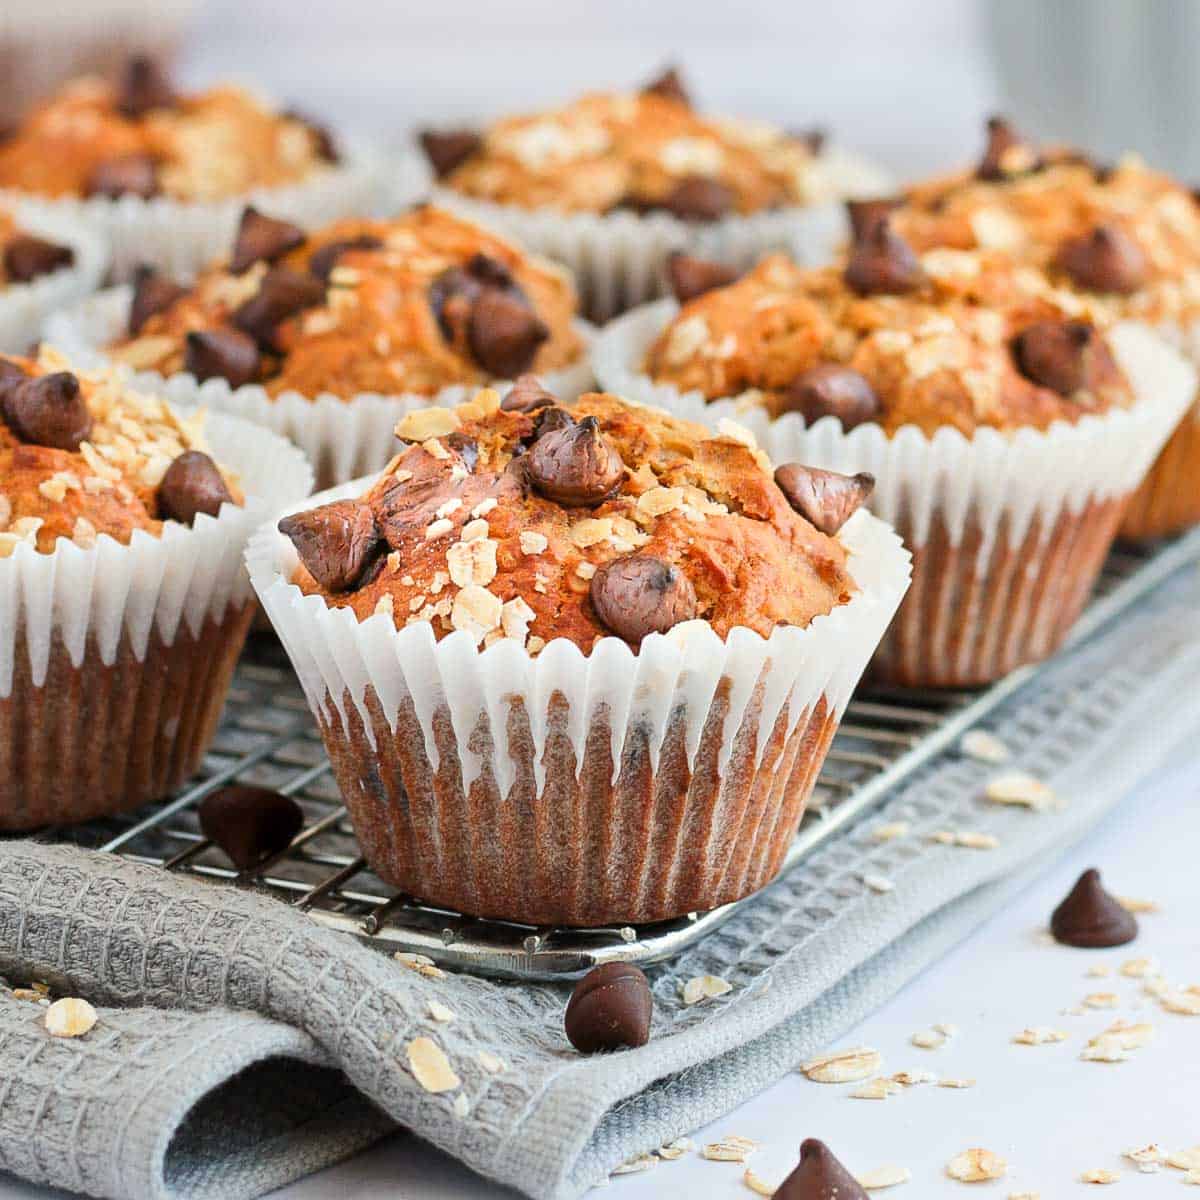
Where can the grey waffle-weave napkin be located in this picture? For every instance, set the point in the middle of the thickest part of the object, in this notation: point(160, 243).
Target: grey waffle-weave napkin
point(241, 1045)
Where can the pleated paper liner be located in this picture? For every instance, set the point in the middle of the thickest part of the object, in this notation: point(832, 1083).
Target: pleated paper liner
point(115, 660)
point(1008, 532)
point(570, 788)
point(1169, 499)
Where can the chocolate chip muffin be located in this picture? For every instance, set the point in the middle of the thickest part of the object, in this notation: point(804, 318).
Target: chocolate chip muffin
point(120, 540)
point(590, 659)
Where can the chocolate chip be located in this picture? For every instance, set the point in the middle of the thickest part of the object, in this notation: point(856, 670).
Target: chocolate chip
point(322, 261)
point(690, 277)
point(449, 148)
point(126, 175)
point(814, 139)
point(504, 333)
point(829, 390)
point(1105, 260)
point(610, 1007)
point(282, 294)
point(640, 594)
point(669, 86)
point(455, 290)
point(1065, 356)
point(336, 542)
point(824, 498)
point(324, 143)
point(698, 198)
point(1091, 917)
point(10, 375)
point(1008, 155)
point(47, 410)
point(864, 215)
point(249, 823)
point(575, 464)
point(262, 239)
point(144, 87)
point(192, 484)
point(221, 354)
point(527, 395)
point(27, 257)
point(882, 262)
point(820, 1176)
point(152, 293)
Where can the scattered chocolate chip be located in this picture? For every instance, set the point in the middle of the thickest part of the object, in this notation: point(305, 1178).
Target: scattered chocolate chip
point(824, 498)
point(336, 542)
point(1105, 260)
point(698, 198)
point(669, 86)
point(640, 594)
point(829, 390)
point(152, 293)
point(526, 395)
point(282, 294)
point(882, 262)
point(610, 1007)
point(575, 464)
point(1066, 356)
point(221, 354)
point(249, 823)
point(27, 257)
point(504, 333)
point(126, 175)
point(144, 87)
point(1091, 917)
point(192, 484)
point(324, 143)
point(262, 239)
point(690, 277)
point(1008, 155)
point(449, 148)
point(820, 1176)
point(322, 261)
point(814, 138)
point(47, 410)
point(864, 215)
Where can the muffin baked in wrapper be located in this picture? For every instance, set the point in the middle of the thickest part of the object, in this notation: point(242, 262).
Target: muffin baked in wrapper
point(343, 438)
point(1008, 530)
point(569, 788)
point(115, 660)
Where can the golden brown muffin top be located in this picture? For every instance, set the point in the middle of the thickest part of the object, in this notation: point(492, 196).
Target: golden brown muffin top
point(416, 303)
point(25, 257)
point(81, 455)
point(140, 136)
point(533, 522)
point(966, 340)
point(643, 151)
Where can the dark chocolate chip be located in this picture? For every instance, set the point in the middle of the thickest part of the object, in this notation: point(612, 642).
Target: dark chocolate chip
point(10, 375)
point(152, 293)
point(864, 215)
point(610, 1007)
point(249, 823)
point(824, 498)
point(698, 198)
point(690, 277)
point(221, 354)
point(1008, 155)
point(829, 390)
point(322, 261)
point(575, 464)
point(452, 293)
point(527, 395)
point(336, 542)
point(504, 333)
point(820, 1176)
point(640, 594)
point(882, 262)
point(1091, 917)
point(1105, 260)
point(282, 294)
point(144, 87)
point(262, 239)
point(192, 484)
point(324, 142)
point(126, 175)
point(48, 410)
point(1065, 356)
point(449, 148)
point(669, 86)
point(814, 138)
point(27, 257)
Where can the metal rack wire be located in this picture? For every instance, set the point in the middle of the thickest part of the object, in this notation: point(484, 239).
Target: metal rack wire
point(267, 737)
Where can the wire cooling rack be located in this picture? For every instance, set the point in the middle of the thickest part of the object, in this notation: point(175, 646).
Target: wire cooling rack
point(267, 737)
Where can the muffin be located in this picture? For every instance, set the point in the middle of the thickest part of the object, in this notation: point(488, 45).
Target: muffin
point(1124, 237)
point(578, 666)
point(329, 337)
point(123, 596)
point(163, 174)
point(1007, 423)
point(612, 182)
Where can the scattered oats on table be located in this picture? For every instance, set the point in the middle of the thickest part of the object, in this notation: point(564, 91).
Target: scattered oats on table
point(430, 1066)
point(983, 746)
point(889, 831)
point(705, 987)
point(844, 1066)
point(1100, 1176)
point(731, 1148)
point(1039, 1035)
point(69, 1017)
point(879, 1088)
point(884, 1177)
point(976, 1166)
point(1019, 788)
point(1147, 1159)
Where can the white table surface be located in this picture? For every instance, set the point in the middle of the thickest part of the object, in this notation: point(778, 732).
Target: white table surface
point(1049, 1114)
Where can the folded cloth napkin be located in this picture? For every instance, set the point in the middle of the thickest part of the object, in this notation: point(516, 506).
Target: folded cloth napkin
point(240, 1045)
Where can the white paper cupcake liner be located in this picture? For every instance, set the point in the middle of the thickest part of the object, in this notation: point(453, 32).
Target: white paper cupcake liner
point(618, 259)
point(25, 306)
point(343, 439)
point(181, 237)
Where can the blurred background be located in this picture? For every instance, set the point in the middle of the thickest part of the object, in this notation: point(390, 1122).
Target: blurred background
point(908, 83)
